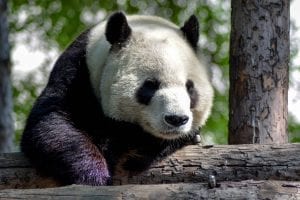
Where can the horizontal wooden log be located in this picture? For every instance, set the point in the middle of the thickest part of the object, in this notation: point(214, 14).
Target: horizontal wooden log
point(192, 164)
point(226, 190)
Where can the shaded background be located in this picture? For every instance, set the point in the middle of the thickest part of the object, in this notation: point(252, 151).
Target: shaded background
point(41, 29)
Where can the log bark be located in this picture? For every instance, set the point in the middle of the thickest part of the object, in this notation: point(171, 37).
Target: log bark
point(192, 164)
point(259, 65)
point(6, 121)
point(225, 190)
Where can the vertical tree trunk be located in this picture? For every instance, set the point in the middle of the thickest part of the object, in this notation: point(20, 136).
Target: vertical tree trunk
point(259, 59)
point(6, 122)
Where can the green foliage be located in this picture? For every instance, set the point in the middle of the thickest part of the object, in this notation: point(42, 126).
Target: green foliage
point(25, 91)
point(294, 130)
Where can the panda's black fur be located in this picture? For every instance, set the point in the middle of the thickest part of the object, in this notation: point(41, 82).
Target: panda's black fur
point(67, 136)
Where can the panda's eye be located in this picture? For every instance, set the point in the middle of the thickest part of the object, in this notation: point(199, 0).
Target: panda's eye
point(192, 92)
point(152, 84)
point(147, 90)
point(189, 85)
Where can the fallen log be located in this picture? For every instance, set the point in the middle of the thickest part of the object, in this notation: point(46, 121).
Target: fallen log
point(193, 164)
point(226, 190)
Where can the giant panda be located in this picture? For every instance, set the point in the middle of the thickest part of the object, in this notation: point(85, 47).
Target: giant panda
point(124, 94)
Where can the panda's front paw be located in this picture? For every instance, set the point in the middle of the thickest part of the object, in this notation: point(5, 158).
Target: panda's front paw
point(93, 177)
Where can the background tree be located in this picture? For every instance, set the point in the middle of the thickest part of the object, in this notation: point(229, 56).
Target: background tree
point(259, 65)
point(6, 122)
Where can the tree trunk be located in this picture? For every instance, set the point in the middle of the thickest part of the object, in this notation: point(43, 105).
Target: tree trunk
point(6, 122)
point(259, 57)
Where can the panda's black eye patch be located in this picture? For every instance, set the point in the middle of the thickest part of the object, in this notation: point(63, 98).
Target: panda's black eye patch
point(189, 85)
point(152, 84)
point(192, 92)
point(147, 90)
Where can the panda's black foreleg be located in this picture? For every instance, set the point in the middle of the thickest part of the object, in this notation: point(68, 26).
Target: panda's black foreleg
point(59, 149)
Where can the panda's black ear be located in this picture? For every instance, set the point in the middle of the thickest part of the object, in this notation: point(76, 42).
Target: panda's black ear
point(117, 29)
point(190, 30)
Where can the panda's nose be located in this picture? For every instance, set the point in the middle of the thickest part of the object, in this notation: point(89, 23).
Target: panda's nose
point(176, 120)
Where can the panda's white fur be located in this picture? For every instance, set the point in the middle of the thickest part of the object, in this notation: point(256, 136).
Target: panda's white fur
point(155, 49)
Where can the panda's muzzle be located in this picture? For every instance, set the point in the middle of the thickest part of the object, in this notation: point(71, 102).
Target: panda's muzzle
point(176, 120)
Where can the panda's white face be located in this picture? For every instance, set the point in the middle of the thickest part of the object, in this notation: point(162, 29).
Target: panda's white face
point(155, 80)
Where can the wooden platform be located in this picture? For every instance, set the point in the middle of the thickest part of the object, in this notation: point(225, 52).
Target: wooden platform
point(240, 171)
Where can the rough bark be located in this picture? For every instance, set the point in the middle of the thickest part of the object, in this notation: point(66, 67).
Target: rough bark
point(6, 122)
point(191, 164)
point(259, 57)
point(225, 190)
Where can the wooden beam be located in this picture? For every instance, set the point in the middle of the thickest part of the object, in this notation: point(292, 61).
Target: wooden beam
point(226, 190)
point(192, 164)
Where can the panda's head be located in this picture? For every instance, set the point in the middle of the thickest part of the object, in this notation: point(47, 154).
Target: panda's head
point(152, 75)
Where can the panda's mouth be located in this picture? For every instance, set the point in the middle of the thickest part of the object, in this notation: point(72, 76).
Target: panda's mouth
point(173, 133)
point(165, 131)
